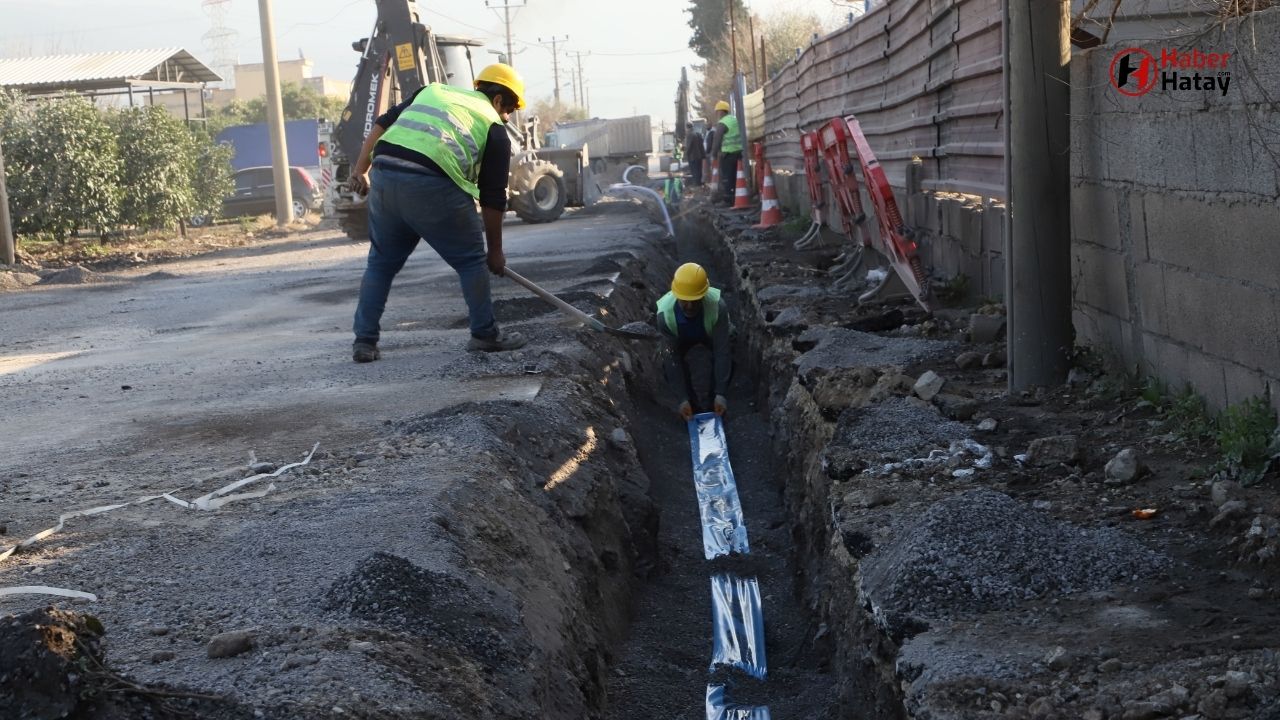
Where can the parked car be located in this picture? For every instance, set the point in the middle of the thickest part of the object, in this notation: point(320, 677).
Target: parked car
point(255, 194)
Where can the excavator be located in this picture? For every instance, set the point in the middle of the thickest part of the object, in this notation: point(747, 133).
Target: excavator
point(399, 57)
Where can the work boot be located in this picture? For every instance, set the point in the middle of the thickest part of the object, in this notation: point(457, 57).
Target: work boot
point(363, 352)
point(504, 340)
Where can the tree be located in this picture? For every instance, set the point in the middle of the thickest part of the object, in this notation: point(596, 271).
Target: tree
point(710, 22)
point(549, 112)
point(783, 32)
point(298, 103)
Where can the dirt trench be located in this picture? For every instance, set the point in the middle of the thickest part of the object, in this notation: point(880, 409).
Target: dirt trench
point(661, 668)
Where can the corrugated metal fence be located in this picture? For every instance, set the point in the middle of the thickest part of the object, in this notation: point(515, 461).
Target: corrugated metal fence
point(923, 77)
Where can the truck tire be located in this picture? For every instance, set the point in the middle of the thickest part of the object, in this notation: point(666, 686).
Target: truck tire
point(354, 221)
point(538, 192)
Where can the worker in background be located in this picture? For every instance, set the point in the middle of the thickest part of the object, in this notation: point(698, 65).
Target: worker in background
point(695, 152)
point(432, 157)
point(727, 148)
point(691, 316)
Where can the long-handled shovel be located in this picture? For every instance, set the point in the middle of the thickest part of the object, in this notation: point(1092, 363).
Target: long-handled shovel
point(575, 313)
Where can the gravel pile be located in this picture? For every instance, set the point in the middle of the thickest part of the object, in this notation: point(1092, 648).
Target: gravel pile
point(393, 593)
point(74, 275)
point(841, 348)
point(897, 428)
point(982, 550)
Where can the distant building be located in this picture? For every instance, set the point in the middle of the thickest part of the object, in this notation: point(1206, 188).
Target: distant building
point(250, 83)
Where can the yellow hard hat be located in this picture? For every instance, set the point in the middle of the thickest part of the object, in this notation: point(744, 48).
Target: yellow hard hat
point(690, 282)
point(723, 105)
point(506, 76)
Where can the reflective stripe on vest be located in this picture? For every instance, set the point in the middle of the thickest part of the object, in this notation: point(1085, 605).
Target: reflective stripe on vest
point(732, 140)
point(710, 311)
point(450, 126)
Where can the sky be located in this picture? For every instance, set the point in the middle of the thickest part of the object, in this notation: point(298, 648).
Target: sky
point(637, 48)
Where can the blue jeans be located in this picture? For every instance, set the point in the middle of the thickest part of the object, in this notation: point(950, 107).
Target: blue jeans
point(405, 206)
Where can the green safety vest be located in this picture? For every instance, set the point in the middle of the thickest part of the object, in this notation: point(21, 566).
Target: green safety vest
point(732, 140)
point(710, 310)
point(450, 126)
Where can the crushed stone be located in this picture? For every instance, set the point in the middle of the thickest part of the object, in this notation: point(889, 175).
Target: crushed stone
point(982, 550)
point(895, 428)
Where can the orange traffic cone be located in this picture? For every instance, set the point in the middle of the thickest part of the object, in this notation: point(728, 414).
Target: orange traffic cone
point(741, 200)
point(770, 210)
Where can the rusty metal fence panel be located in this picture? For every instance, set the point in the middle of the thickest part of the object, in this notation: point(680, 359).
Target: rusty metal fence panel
point(924, 78)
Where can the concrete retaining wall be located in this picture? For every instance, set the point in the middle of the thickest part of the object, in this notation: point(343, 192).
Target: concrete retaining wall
point(1176, 217)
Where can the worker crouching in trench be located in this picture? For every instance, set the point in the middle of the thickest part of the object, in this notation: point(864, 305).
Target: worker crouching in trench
point(698, 357)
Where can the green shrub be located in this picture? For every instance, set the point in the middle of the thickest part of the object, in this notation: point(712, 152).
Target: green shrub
point(1244, 435)
point(62, 166)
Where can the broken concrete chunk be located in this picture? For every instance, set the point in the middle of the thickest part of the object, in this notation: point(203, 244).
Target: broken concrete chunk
point(955, 406)
point(985, 328)
point(619, 437)
point(928, 385)
point(791, 318)
point(1123, 468)
point(1169, 701)
point(1057, 658)
point(988, 425)
point(1230, 510)
point(969, 360)
point(1053, 450)
point(230, 644)
point(1224, 490)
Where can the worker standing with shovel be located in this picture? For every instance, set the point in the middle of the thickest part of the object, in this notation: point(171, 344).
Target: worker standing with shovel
point(424, 165)
point(692, 317)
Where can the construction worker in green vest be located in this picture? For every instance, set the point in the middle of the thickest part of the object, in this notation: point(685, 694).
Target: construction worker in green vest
point(425, 164)
point(692, 318)
point(726, 148)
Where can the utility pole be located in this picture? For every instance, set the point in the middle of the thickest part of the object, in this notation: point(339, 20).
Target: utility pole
point(751, 23)
point(733, 38)
point(8, 250)
point(506, 7)
point(555, 60)
point(1037, 181)
point(275, 117)
point(764, 69)
point(582, 88)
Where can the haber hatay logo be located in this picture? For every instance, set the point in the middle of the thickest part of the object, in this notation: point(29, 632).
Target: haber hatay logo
point(1134, 71)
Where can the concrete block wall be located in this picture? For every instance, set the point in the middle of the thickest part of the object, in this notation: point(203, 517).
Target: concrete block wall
point(1176, 218)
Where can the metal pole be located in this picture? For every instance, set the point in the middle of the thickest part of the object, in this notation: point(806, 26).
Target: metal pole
point(733, 39)
point(8, 250)
point(275, 117)
point(511, 58)
point(751, 23)
point(1037, 174)
point(764, 69)
point(555, 61)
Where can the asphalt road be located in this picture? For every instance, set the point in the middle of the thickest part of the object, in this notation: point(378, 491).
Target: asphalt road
point(174, 370)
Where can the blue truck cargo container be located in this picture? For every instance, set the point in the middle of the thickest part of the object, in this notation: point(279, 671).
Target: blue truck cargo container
point(252, 144)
